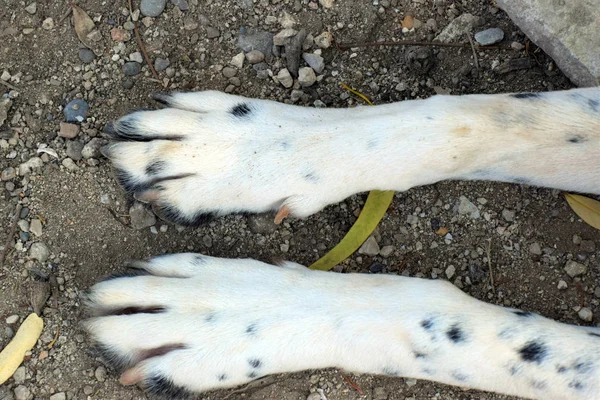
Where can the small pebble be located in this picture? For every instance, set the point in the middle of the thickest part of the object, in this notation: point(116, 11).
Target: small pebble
point(35, 227)
point(255, 56)
point(48, 24)
point(573, 268)
point(535, 248)
point(315, 61)
point(450, 271)
point(100, 374)
point(131, 68)
point(152, 8)
point(8, 174)
point(59, 396)
point(160, 64)
point(508, 215)
point(370, 247)
point(465, 207)
point(86, 55)
point(141, 217)
point(562, 285)
point(68, 130)
point(229, 72)
point(39, 251)
point(489, 36)
point(137, 57)
point(76, 110)
point(74, 148)
point(238, 60)
point(19, 375)
point(306, 77)
point(212, 32)
point(13, 319)
point(22, 393)
point(285, 78)
point(32, 8)
point(586, 314)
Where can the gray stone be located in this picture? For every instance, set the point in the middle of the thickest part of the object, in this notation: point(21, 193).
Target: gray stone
point(35, 227)
point(140, 216)
point(5, 104)
point(76, 110)
point(489, 36)
point(566, 30)
point(284, 36)
point(262, 223)
point(306, 77)
point(137, 57)
point(293, 52)
point(69, 164)
point(152, 8)
point(410, 382)
point(465, 207)
point(212, 32)
point(586, 314)
point(588, 246)
point(573, 268)
point(32, 8)
point(380, 393)
point(59, 396)
point(369, 247)
point(535, 248)
point(160, 64)
point(456, 30)
point(92, 148)
point(315, 61)
point(450, 271)
point(255, 40)
point(229, 72)
point(39, 251)
point(386, 251)
point(131, 68)
point(86, 55)
point(238, 60)
point(22, 393)
point(13, 319)
point(284, 77)
point(19, 375)
point(255, 56)
point(508, 215)
point(8, 174)
point(31, 164)
point(100, 374)
point(74, 148)
point(562, 285)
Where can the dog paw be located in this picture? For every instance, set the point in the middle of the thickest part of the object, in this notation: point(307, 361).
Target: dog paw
point(213, 153)
point(185, 323)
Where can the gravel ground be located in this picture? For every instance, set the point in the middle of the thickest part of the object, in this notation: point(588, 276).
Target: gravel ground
point(75, 220)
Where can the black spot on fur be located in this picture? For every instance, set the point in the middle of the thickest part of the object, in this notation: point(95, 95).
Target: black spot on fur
point(161, 386)
point(252, 375)
point(533, 351)
point(241, 110)
point(520, 180)
point(455, 334)
point(561, 369)
point(155, 167)
point(514, 370)
point(211, 317)
point(427, 324)
point(528, 95)
point(222, 377)
point(576, 385)
point(199, 260)
point(255, 363)
point(372, 143)
point(583, 367)
point(390, 371)
point(577, 139)
point(419, 354)
point(539, 385)
point(459, 376)
point(524, 314)
point(251, 330)
point(594, 105)
point(594, 334)
point(284, 145)
point(427, 371)
point(311, 177)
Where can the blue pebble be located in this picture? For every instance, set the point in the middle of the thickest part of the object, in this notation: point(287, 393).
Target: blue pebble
point(24, 236)
point(76, 111)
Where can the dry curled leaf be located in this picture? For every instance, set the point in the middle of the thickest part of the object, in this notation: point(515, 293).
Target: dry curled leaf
point(587, 209)
point(442, 231)
point(84, 26)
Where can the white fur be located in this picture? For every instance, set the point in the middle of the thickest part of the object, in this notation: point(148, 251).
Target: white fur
point(207, 158)
point(307, 158)
point(303, 319)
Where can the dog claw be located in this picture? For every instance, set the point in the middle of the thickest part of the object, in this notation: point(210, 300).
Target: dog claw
point(283, 212)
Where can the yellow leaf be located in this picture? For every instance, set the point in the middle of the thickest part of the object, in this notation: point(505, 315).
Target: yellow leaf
point(587, 209)
point(375, 207)
point(83, 24)
point(13, 354)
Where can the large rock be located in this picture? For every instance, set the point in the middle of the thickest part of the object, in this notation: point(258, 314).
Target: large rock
point(566, 30)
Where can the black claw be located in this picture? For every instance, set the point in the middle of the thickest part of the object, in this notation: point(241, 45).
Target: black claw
point(169, 213)
point(161, 386)
point(162, 98)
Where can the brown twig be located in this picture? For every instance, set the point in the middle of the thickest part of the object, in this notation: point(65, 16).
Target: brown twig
point(8, 85)
point(346, 46)
point(140, 44)
point(11, 232)
point(488, 252)
point(353, 385)
point(473, 48)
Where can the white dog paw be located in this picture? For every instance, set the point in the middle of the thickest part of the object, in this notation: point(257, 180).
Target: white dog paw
point(213, 153)
point(186, 323)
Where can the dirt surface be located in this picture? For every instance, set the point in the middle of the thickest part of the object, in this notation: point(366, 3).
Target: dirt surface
point(524, 235)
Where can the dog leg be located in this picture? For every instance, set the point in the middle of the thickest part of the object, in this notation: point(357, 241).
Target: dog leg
point(196, 323)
